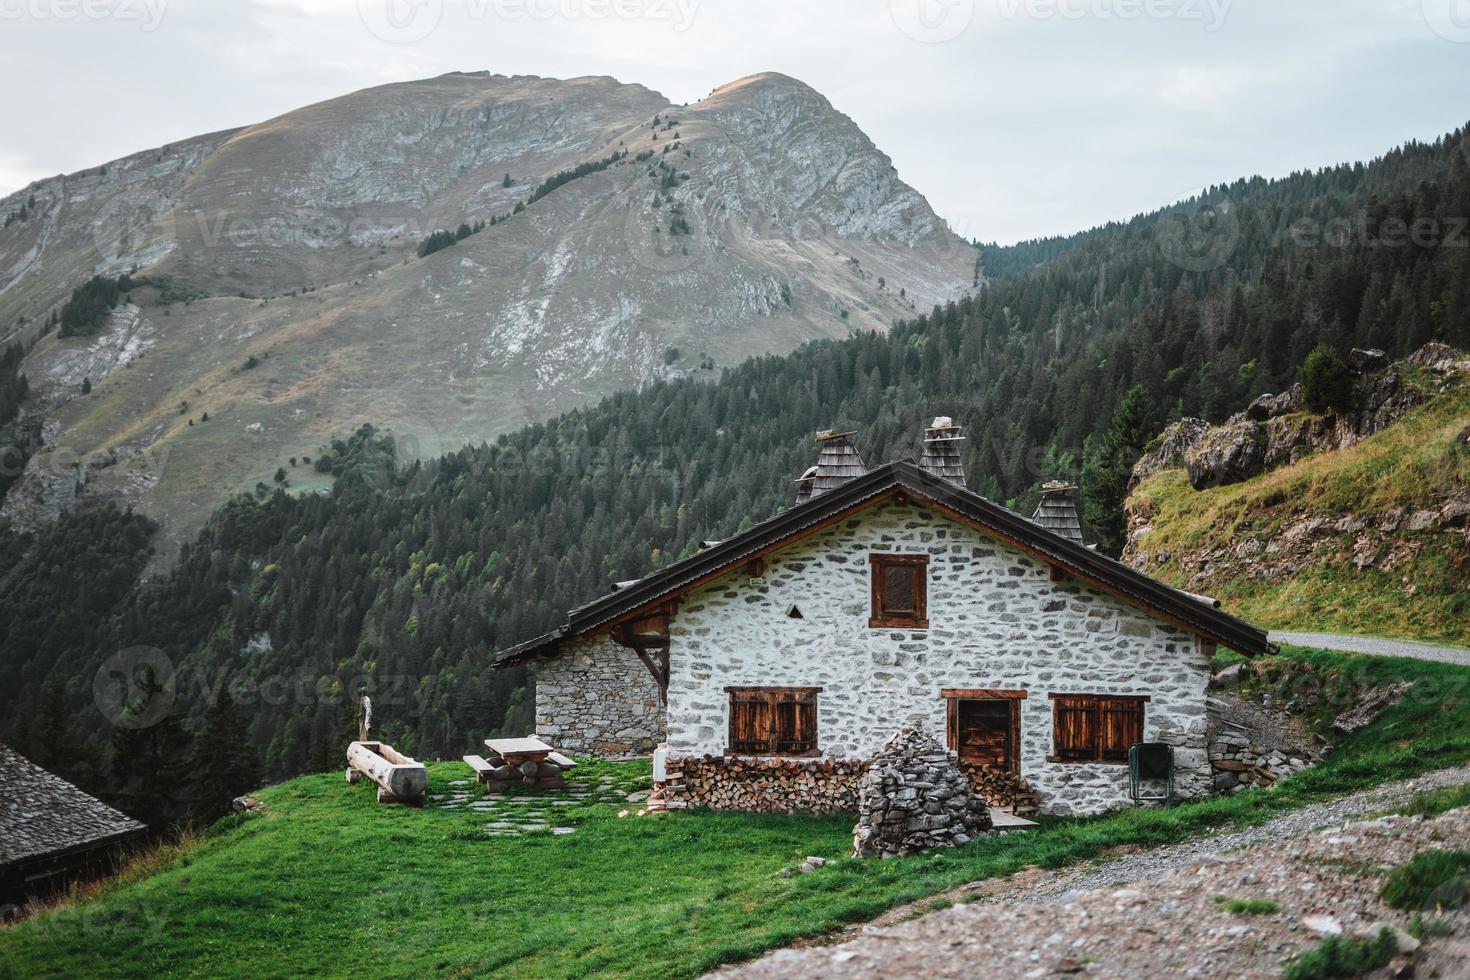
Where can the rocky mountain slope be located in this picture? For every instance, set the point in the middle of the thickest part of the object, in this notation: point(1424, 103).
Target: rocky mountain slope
point(285, 297)
point(1356, 520)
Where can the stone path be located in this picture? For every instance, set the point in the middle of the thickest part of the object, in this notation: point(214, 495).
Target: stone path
point(1375, 646)
point(511, 816)
point(1309, 881)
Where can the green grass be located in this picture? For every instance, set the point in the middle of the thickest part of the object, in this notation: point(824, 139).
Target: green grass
point(1437, 801)
point(1413, 465)
point(1432, 880)
point(1246, 906)
point(1343, 956)
point(328, 882)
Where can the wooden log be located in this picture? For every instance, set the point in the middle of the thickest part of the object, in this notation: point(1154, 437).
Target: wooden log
point(352, 775)
point(400, 776)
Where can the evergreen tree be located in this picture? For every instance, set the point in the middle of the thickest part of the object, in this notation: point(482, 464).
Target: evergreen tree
point(149, 766)
point(224, 762)
point(1108, 467)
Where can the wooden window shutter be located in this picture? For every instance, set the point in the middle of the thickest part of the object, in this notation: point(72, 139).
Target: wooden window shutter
point(773, 720)
point(1074, 727)
point(1121, 725)
point(900, 591)
point(1095, 727)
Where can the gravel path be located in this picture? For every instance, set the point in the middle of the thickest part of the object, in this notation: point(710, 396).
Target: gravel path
point(1079, 922)
point(1151, 864)
point(1375, 646)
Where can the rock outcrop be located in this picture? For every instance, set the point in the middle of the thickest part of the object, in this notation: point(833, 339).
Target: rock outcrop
point(914, 797)
point(1280, 534)
point(1276, 430)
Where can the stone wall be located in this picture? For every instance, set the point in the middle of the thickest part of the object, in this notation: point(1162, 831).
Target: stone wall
point(996, 621)
point(1255, 745)
point(597, 698)
point(914, 798)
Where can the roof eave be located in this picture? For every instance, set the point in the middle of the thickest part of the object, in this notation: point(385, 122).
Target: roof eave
point(1112, 575)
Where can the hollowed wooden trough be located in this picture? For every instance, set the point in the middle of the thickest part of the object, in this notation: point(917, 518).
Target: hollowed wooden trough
point(399, 778)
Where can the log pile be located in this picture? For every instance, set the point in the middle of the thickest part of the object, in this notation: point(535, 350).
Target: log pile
point(764, 785)
point(1002, 789)
point(522, 762)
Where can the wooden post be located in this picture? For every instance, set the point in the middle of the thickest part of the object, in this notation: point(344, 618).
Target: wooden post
point(364, 718)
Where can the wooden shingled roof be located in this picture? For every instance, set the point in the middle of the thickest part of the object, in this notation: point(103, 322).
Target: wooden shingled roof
point(838, 462)
point(43, 815)
point(1057, 511)
point(941, 455)
point(897, 481)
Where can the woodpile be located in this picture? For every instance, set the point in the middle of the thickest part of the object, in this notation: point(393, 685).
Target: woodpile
point(1002, 789)
point(524, 762)
point(764, 785)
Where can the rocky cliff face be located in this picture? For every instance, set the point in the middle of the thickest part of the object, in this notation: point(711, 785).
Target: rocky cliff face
point(1336, 519)
point(751, 221)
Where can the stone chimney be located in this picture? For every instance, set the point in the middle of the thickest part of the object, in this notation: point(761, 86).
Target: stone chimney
point(942, 451)
point(1057, 511)
point(839, 462)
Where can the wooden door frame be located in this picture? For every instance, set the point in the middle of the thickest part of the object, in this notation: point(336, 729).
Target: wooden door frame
point(954, 695)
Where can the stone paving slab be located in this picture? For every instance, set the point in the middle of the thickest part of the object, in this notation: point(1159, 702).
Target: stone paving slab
point(512, 816)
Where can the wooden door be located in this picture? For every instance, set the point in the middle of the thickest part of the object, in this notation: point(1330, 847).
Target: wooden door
point(985, 732)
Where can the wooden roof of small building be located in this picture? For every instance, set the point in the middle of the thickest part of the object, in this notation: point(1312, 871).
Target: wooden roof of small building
point(941, 455)
point(838, 463)
point(43, 815)
point(1057, 511)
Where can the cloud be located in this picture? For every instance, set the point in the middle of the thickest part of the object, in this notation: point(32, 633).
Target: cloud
point(1025, 117)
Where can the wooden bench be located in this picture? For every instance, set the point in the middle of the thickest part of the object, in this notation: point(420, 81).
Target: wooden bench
point(480, 766)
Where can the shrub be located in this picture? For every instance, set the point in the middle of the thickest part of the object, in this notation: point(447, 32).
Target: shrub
point(1326, 385)
point(1246, 906)
point(1434, 879)
point(1343, 956)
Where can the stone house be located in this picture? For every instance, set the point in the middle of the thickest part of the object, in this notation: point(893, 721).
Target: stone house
point(772, 664)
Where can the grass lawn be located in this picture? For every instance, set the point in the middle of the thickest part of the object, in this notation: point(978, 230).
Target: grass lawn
point(329, 883)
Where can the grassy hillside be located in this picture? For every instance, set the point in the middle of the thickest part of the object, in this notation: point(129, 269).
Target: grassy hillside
point(328, 882)
point(1285, 549)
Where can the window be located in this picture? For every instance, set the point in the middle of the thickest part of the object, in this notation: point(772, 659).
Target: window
point(984, 726)
point(1095, 727)
point(773, 720)
point(900, 591)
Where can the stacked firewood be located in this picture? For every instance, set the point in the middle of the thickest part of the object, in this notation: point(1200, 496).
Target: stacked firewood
point(1002, 789)
point(537, 774)
point(764, 785)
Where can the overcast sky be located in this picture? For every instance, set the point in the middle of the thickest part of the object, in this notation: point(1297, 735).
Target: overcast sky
point(1016, 118)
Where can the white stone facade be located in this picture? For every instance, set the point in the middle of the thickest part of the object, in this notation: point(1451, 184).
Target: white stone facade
point(597, 698)
point(996, 620)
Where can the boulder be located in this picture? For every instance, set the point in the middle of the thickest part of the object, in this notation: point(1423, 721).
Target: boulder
point(914, 797)
point(1367, 361)
point(1176, 440)
point(1435, 356)
point(1227, 454)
